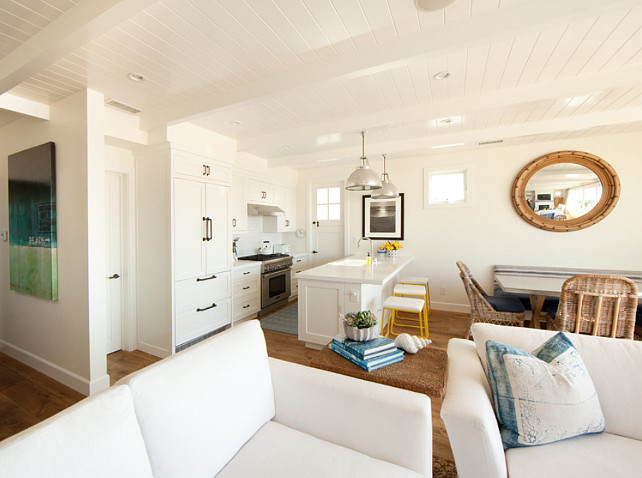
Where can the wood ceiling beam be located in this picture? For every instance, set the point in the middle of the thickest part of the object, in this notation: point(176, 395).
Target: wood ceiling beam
point(76, 27)
point(486, 28)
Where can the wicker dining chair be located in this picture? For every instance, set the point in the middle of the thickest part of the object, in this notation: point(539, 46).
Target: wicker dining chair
point(595, 304)
point(481, 309)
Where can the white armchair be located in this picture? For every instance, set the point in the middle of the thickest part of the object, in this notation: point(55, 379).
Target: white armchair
point(467, 411)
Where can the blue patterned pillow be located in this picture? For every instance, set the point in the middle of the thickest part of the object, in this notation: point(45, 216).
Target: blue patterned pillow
point(542, 397)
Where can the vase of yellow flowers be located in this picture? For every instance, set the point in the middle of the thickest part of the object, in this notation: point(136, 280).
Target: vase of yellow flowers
point(392, 248)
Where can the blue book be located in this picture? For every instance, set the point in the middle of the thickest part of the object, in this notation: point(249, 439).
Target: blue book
point(369, 356)
point(365, 349)
point(368, 365)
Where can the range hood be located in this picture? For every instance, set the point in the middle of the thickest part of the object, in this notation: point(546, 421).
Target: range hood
point(263, 209)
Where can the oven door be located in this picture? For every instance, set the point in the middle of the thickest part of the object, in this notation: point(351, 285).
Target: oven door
point(275, 287)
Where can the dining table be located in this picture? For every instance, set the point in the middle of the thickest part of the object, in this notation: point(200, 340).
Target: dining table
point(538, 288)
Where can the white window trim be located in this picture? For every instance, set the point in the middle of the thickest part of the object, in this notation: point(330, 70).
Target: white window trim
point(469, 175)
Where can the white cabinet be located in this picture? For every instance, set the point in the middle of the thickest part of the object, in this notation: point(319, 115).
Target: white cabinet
point(246, 291)
point(184, 248)
point(259, 191)
point(239, 205)
point(299, 264)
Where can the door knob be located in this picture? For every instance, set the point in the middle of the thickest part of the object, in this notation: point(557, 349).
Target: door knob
point(115, 276)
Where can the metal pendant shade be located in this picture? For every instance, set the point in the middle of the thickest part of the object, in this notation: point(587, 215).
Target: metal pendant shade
point(388, 190)
point(432, 5)
point(363, 178)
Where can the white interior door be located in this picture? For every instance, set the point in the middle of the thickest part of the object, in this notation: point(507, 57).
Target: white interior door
point(327, 232)
point(114, 260)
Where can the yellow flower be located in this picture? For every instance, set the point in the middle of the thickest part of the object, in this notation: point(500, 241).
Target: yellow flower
point(393, 246)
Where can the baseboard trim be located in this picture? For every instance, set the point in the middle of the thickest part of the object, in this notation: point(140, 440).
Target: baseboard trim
point(450, 307)
point(153, 350)
point(58, 373)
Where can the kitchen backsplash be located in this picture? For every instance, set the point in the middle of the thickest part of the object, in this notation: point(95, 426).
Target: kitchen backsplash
point(250, 242)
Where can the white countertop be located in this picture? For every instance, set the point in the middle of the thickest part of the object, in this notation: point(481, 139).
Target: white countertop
point(377, 273)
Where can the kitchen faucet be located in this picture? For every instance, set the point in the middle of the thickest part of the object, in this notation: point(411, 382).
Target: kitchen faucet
point(371, 246)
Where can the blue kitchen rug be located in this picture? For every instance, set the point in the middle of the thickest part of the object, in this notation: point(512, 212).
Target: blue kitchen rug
point(285, 320)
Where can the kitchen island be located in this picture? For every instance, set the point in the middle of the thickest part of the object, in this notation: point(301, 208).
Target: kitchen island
point(339, 287)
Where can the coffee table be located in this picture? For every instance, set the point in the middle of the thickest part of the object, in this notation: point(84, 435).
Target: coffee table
point(423, 372)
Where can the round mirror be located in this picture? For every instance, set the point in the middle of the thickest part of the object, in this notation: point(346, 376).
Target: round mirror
point(565, 191)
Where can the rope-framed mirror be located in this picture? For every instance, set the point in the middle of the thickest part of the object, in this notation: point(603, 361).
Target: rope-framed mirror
point(565, 191)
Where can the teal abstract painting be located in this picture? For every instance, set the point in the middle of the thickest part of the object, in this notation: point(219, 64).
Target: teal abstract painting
point(33, 257)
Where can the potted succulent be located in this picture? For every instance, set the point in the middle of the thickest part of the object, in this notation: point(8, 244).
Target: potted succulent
point(360, 325)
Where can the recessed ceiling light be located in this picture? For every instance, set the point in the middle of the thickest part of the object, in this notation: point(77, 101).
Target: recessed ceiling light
point(446, 120)
point(286, 146)
point(452, 145)
point(442, 75)
point(235, 123)
point(136, 77)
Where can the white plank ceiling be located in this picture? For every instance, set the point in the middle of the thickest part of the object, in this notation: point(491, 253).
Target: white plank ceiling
point(295, 81)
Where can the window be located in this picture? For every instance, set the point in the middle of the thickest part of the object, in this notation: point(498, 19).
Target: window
point(448, 187)
point(329, 204)
point(581, 200)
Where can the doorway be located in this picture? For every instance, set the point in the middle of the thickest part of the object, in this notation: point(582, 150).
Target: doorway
point(326, 239)
point(114, 246)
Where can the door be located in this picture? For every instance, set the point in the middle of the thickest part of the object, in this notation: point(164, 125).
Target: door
point(218, 246)
point(191, 229)
point(327, 232)
point(114, 261)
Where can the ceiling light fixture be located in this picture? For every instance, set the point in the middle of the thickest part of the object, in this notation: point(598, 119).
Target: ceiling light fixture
point(442, 75)
point(388, 190)
point(363, 178)
point(136, 77)
point(235, 123)
point(431, 5)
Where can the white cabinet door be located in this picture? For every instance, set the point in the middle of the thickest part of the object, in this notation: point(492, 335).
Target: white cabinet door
point(258, 191)
point(217, 244)
point(189, 229)
point(239, 207)
point(320, 303)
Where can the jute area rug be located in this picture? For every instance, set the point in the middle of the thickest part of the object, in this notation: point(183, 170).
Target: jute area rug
point(442, 468)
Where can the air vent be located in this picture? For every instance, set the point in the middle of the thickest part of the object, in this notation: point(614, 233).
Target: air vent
point(495, 141)
point(121, 106)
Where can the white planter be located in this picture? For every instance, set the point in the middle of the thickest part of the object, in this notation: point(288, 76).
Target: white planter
point(392, 254)
point(361, 335)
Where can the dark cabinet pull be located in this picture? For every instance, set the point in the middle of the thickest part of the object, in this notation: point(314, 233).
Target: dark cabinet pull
point(246, 306)
point(204, 170)
point(205, 237)
point(246, 287)
point(210, 235)
point(246, 273)
point(199, 279)
point(206, 308)
point(233, 222)
point(208, 170)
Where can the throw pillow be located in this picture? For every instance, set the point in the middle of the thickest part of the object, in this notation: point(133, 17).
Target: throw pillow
point(542, 397)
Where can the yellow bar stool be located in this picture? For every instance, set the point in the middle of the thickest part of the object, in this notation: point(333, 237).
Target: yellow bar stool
point(394, 304)
point(419, 280)
point(413, 290)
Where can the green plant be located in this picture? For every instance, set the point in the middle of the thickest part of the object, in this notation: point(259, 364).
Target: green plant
point(364, 319)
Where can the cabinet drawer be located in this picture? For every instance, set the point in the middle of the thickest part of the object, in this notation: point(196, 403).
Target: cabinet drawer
point(193, 323)
point(246, 306)
point(246, 273)
point(247, 287)
point(200, 168)
point(193, 293)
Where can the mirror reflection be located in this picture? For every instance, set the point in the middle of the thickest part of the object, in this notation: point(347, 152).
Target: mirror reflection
point(563, 191)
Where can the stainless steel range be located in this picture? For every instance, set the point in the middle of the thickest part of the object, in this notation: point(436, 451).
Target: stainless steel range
point(275, 279)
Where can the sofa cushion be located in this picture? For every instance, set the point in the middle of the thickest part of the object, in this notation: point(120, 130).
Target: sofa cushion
point(587, 456)
point(278, 451)
point(613, 364)
point(97, 437)
point(505, 303)
point(197, 408)
point(543, 397)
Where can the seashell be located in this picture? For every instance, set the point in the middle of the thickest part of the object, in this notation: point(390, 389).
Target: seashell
point(411, 344)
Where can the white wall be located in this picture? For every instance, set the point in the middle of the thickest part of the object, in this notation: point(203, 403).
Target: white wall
point(491, 232)
point(64, 339)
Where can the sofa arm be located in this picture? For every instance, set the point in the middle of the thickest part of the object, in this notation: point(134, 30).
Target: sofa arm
point(469, 417)
point(383, 422)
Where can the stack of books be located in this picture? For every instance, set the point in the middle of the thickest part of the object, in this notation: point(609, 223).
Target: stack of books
point(369, 355)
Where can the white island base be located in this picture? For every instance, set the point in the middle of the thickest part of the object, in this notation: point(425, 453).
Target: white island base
point(347, 285)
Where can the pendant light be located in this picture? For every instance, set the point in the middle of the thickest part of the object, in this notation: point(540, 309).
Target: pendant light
point(432, 5)
point(388, 190)
point(363, 178)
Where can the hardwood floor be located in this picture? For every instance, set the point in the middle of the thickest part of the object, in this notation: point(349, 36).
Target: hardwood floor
point(28, 397)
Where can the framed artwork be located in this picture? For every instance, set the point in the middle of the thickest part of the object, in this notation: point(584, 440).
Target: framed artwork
point(382, 218)
point(33, 246)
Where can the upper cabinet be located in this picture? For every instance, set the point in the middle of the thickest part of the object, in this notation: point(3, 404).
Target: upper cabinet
point(286, 200)
point(259, 191)
point(239, 206)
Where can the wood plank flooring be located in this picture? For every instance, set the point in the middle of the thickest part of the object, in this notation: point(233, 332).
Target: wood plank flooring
point(28, 397)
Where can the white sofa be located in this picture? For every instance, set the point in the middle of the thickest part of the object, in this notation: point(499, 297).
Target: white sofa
point(224, 408)
point(615, 366)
